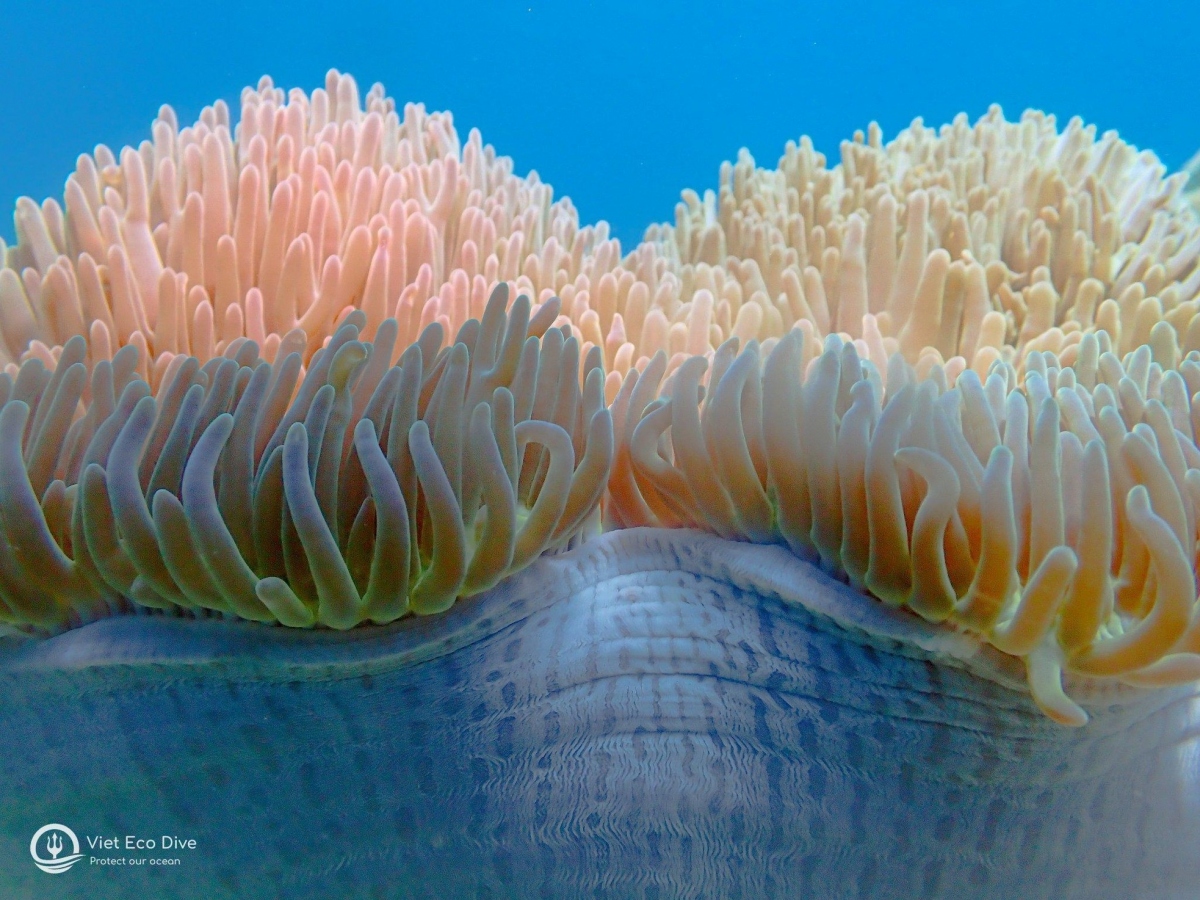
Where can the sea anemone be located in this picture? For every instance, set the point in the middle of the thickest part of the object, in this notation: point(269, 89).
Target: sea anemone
point(931, 398)
point(935, 407)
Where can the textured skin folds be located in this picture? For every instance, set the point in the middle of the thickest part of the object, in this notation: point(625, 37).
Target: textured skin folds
point(651, 714)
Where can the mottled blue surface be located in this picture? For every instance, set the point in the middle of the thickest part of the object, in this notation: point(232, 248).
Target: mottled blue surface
point(654, 714)
point(619, 104)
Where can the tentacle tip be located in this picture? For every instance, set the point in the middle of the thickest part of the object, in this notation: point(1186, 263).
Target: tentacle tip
point(1069, 713)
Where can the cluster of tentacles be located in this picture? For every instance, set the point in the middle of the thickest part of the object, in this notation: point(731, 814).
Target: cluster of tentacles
point(1058, 522)
point(354, 491)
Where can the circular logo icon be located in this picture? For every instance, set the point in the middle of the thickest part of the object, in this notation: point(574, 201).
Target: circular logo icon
point(48, 845)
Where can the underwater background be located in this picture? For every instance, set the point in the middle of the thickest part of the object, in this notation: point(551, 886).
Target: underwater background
point(619, 105)
point(650, 712)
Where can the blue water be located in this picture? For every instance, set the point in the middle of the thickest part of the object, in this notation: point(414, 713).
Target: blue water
point(620, 104)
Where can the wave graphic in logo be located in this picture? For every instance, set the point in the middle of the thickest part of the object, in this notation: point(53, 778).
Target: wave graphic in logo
point(54, 863)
